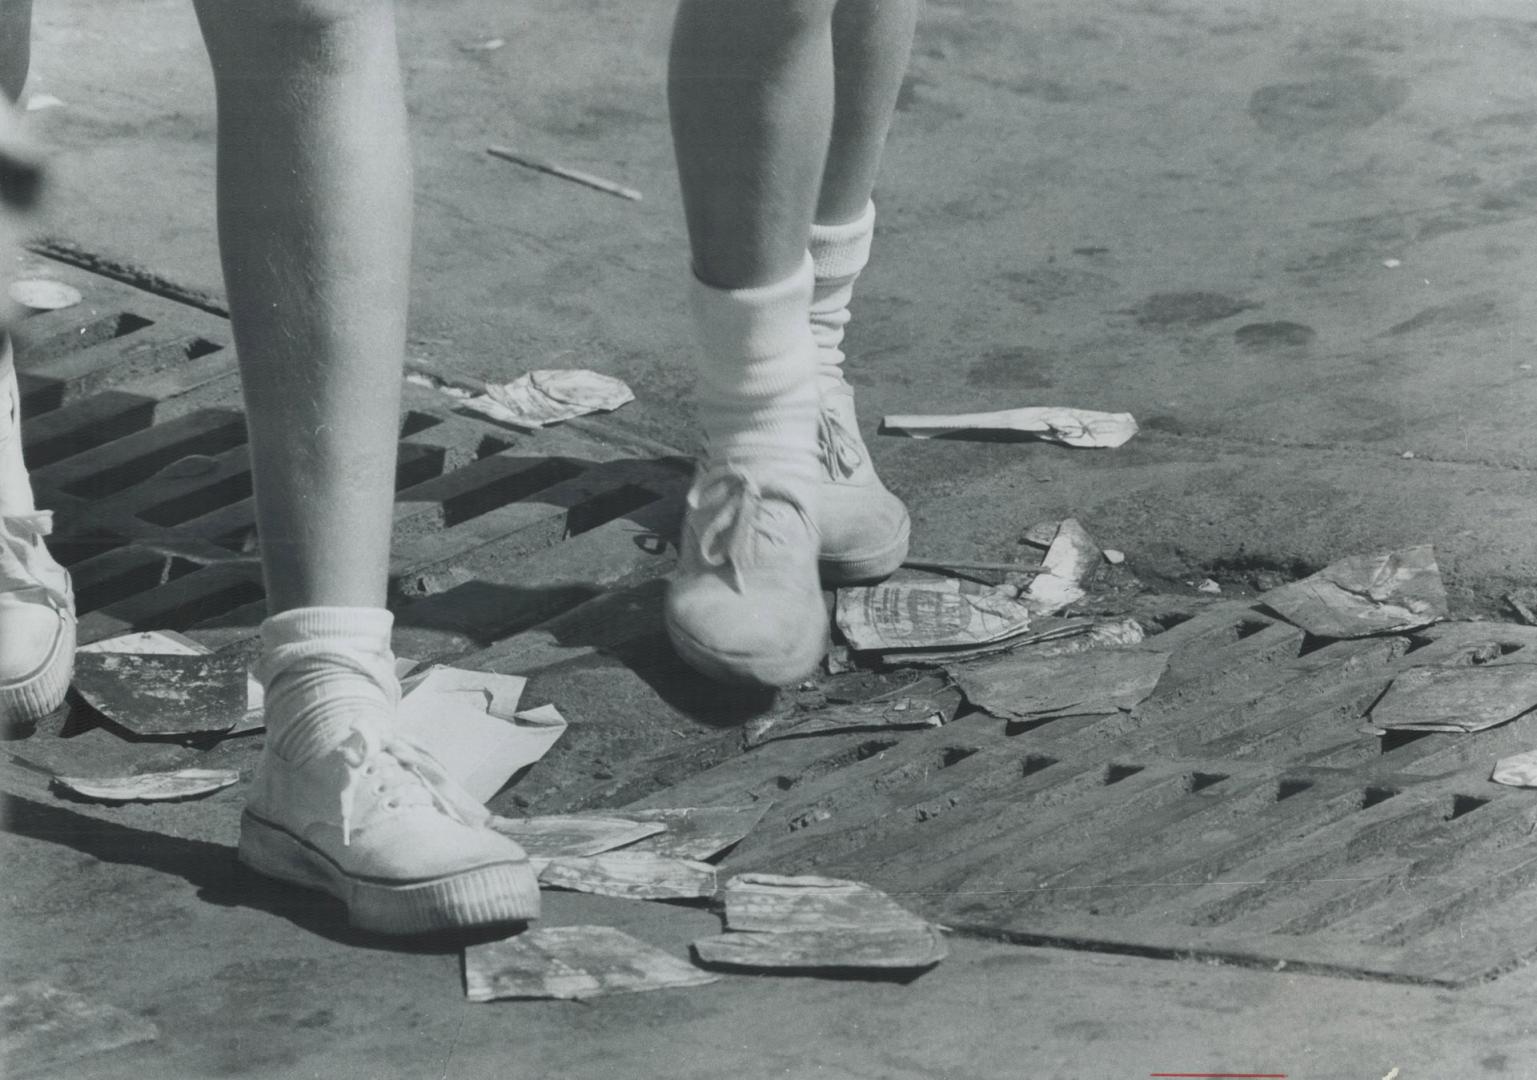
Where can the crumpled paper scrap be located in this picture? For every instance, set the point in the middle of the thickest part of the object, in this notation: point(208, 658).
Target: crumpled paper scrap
point(1365, 594)
point(540, 398)
point(1068, 426)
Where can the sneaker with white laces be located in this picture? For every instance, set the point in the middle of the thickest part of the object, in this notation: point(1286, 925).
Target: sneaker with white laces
point(745, 604)
point(865, 528)
point(376, 822)
point(37, 604)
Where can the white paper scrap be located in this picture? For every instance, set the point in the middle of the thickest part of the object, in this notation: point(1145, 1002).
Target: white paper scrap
point(632, 875)
point(150, 787)
point(572, 963)
point(1070, 427)
point(547, 397)
point(44, 294)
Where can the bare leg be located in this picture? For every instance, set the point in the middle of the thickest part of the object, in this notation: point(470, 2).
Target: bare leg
point(15, 46)
point(314, 233)
point(872, 40)
point(750, 87)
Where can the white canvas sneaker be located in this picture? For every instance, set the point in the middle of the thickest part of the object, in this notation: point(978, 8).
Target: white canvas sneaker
point(864, 527)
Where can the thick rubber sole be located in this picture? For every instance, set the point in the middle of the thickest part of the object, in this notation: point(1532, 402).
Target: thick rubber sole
point(869, 565)
point(755, 669)
point(491, 895)
point(34, 696)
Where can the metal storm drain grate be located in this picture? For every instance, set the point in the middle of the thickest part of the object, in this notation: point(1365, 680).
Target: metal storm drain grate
point(135, 437)
point(1242, 814)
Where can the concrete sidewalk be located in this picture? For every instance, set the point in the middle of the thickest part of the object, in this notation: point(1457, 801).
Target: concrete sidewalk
point(1297, 243)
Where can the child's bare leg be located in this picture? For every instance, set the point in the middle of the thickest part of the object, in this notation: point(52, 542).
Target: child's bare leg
point(750, 88)
point(15, 46)
point(864, 527)
point(314, 228)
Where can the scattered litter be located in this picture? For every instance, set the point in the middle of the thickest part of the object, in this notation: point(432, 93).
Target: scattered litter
point(545, 838)
point(38, 102)
point(1517, 770)
point(539, 398)
point(468, 721)
point(632, 875)
point(1392, 264)
point(163, 642)
point(44, 1029)
point(1041, 534)
point(44, 294)
point(488, 45)
point(165, 693)
point(837, 660)
point(774, 921)
point(1114, 557)
point(150, 787)
point(572, 963)
point(1072, 556)
point(1365, 594)
point(1407, 455)
point(1523, 602)
point(697, 832)
point(1070, 427)
point(432, 382)
point(918, 711)
point(1207, 585)
point(1022, 687)
point(942, 612)
point(1115, 634)
point(575, 175)
point(1457, 698)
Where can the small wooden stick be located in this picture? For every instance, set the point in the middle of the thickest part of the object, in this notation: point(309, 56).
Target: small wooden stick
point(1001, 568)
point(575, 175)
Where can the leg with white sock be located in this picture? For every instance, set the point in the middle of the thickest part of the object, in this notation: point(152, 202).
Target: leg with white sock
point(864, 527)
point(37, 614)
point(750, 91)
point(314, 230)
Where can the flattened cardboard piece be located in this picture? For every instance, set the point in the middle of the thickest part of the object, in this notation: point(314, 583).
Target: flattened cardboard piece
point(889, 949)
point(780, 904)
point(165, 694)
point(897, 713)
point(1365, 594)
point(572, 963)
point(1058, 424)
point(632, 875)
point(1456, 698)
point(1023, 687)
point(697, 832)
point(554, 835)
point(44, 1030)
point(150, 787)
point(469, 721)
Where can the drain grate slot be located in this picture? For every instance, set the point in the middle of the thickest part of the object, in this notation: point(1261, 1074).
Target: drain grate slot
point(40, 349)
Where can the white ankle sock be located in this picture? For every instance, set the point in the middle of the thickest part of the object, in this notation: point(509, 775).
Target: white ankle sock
point(325, 669)
point(757, 396)
point(838, 253)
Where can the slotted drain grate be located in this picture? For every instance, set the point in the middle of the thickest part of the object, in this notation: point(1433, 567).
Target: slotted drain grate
point(136, 439)
point(1242, 814)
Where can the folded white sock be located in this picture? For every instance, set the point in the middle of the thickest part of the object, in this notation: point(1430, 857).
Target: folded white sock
point(757, 396)
point(325, 670)
point(838, 254)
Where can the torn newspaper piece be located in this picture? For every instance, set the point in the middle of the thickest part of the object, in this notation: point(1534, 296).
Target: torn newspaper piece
point(149, 787)
point(775, 921)
point(572, 963)
point(1456, 697)
point(1070, 427)
point(697, 832)
point(1023, 687)
point(540, 398)
point(632, 875)
point(915, 614)
point(548, 837)
point(1365, 594)
point(469, 721)
point(894, 713)
point(165, 694)
point(1071, 558)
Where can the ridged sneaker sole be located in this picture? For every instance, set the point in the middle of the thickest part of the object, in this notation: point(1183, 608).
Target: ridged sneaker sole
point(502, 892)
point(32, 697)
point(753, 669)
point(871, 564)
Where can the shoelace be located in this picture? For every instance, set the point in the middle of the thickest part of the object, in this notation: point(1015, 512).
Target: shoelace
point(838, 446)
point(731, 505)
point(21, 537)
